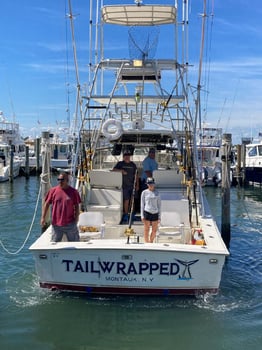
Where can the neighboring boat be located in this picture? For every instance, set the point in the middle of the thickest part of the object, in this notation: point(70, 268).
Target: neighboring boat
point(12, 148)
point(209, 145)
point(139, 110)
point(9, 165)
point(253, 162)
point(61, 151)
point(10, 135)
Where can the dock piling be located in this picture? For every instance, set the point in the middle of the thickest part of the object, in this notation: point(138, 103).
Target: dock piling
point(11, 168)
point(225, 188)
point(27, 169)
point(37, 151)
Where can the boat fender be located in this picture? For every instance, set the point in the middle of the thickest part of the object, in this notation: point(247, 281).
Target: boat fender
point(112, 129)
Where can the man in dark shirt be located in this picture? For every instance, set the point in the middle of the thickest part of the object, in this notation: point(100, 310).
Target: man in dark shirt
point(128, 170)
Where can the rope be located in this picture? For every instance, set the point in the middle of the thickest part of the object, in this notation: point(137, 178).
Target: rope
point(29, 232)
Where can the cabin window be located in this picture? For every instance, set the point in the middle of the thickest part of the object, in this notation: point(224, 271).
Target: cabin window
point(21, 148)
point(252, 152)
point(260, 150)
point(63, 149)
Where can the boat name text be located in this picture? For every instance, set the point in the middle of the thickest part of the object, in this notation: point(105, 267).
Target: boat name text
point(121, 268)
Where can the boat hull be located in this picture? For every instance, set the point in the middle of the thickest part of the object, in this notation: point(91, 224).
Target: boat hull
point(135, 270)
point(253, 174)
point(5, 171)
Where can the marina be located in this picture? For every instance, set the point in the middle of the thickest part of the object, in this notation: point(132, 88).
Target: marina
point(157, 225)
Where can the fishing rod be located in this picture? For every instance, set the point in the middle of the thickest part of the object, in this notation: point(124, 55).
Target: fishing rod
point(129, 231)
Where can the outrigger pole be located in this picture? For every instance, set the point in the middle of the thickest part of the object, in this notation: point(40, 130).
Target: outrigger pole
point(198, 105)
point(79, 98)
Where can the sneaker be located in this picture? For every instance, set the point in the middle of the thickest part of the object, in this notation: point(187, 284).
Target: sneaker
point(125, 218)
point(133, 217)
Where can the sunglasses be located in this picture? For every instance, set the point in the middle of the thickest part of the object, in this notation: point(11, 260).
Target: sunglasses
point(58, 179)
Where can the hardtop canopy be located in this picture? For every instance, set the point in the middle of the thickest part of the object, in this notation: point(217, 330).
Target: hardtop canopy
point(143, 15)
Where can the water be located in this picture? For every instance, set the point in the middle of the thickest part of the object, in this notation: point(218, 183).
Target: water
point(44, 320)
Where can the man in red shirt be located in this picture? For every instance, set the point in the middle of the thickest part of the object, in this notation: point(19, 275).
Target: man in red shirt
point(65, 202)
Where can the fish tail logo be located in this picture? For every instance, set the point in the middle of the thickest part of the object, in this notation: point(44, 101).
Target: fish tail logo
point(186, 273)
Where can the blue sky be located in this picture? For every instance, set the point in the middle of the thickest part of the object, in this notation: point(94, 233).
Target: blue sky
point(37, 69)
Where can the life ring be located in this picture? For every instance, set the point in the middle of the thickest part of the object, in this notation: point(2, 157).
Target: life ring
point(112, 129)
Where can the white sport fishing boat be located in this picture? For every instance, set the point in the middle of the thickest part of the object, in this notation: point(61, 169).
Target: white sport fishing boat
point(12, 148)
point(61, 154)
point(146, 105)
point(209, 145)
point(9, 164)
point(253, 161)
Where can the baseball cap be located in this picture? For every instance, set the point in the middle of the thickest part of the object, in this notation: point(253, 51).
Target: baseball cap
point(152, 150)
point(150, 181)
